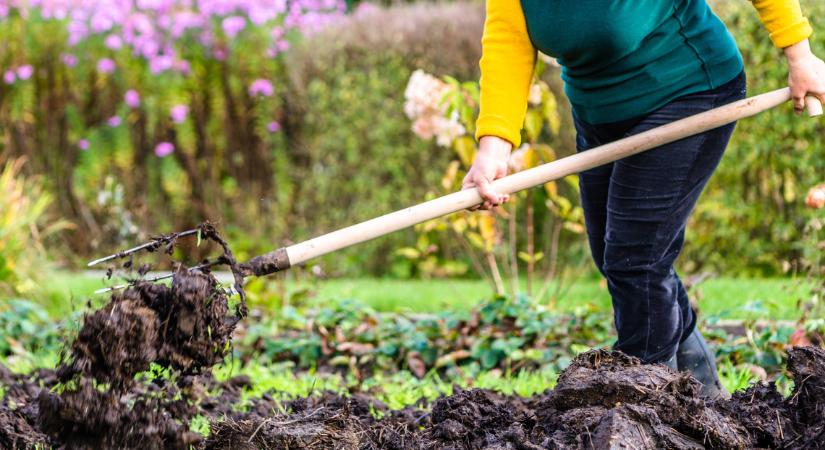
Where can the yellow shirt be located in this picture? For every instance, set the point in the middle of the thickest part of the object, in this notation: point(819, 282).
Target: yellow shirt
point(508, 59)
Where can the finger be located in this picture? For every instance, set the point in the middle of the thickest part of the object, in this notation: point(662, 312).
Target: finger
point(813, 105)
point(467, 182)
point(798, 103)
point(486, 191)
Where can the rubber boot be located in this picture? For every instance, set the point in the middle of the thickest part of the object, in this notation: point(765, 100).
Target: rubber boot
point(672, 363)
point(694, 356)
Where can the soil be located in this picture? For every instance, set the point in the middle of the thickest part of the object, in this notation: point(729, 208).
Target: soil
point(139, 372)
point(603, 400)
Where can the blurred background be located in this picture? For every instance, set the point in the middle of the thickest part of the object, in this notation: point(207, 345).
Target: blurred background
point(280, 120)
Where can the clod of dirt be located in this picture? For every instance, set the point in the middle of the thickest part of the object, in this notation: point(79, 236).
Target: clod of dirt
point(610, 399)
point(16, 432)
point(323, 428)
point(90, 418)
point(476, 419)
point(185, 326)
point(807, 401)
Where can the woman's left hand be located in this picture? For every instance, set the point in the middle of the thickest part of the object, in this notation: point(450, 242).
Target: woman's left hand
point(806, 74)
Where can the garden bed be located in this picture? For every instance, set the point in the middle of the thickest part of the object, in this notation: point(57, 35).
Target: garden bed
point(130, 380)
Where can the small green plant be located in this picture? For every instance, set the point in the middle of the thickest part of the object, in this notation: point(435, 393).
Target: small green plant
point(23, 225)
point(734, 378)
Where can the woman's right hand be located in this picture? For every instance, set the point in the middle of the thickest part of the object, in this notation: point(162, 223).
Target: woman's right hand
point(490, 164)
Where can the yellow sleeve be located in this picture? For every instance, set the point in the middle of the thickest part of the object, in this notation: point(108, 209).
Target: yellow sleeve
point(784, 21)
point(507, 63)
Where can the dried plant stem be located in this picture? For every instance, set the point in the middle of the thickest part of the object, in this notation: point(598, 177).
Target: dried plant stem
point(491, 261)
point(513, 250)
point(531, 263)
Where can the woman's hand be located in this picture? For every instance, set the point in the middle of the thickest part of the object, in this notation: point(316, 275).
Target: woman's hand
point(490, 164)
point(806, 74)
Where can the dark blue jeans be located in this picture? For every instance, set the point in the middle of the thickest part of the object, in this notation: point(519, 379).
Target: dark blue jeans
point(636, 210)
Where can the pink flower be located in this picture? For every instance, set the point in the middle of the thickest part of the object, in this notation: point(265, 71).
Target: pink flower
point(164, 149)
point(233, 25)
point(261, 87)
point(106, 65)
point(83, 144)
point(9, 77)
point(113, 42)
point(273, 127)
point(25, 72)
point(178, 113)
point(114, 121)
point(132, 98)
point(816, 197)
point(69, 59)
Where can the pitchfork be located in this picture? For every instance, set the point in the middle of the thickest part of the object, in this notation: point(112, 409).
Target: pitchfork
point(286, 257)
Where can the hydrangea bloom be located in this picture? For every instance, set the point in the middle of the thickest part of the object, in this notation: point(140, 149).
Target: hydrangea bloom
point(424, 105)
point(164, 149)
point(273, 127)
point(114, 121)
point(83, 144)
point(816, 197)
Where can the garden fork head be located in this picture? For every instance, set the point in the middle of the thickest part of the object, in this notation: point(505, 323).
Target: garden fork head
point(204, 231)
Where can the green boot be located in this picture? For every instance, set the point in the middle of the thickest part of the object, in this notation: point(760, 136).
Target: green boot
point(694, 356)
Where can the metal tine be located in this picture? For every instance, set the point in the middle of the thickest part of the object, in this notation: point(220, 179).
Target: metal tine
point(142, 246)
point(159, 277)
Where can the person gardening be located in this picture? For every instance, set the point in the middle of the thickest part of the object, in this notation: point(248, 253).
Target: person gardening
point(630, 66)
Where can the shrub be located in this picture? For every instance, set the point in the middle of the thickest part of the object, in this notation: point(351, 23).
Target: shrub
point(353, 151)
point(23, 223)
point(751, 219)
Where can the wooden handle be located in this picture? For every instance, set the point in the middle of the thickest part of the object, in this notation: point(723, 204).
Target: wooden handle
point(364, 231)
point(813, 105)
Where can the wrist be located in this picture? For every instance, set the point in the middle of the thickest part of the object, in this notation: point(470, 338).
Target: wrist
point(494, 146)
point(798, 52)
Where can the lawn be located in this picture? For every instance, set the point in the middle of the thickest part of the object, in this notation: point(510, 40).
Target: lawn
point(730, 298)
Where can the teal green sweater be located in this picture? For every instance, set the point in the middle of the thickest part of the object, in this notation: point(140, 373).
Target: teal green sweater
point(625, 58)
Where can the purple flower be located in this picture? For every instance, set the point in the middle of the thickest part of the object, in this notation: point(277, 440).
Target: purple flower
point(25, 72)
point(183, 67)
point(69, 59)
point(106, 65)
point(132, 98)
point(273, 127)
point(9, 77)
point(83, 144)
point(114, 121)
point(113, 42)
point(261, 87)
point(233, 25)
point(179, 113)
point(164, 149)
point(161, 63)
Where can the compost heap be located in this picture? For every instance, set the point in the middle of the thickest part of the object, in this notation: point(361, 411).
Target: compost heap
point(110, 391)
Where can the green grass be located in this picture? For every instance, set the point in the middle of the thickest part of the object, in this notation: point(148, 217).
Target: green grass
point(732, 298)
point(396, 390)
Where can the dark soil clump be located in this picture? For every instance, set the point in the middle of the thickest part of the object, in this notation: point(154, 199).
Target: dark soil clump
point(184, 326)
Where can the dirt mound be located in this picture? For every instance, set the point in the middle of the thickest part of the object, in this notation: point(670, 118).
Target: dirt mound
point(603, 400)
point(185, 326)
